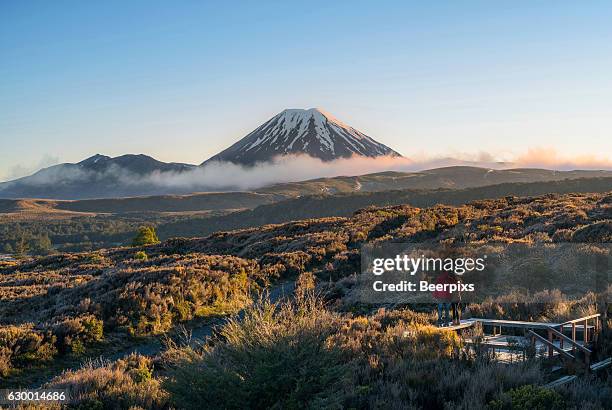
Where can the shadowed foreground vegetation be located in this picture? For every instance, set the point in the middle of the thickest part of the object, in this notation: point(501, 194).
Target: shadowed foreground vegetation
point(302, 355)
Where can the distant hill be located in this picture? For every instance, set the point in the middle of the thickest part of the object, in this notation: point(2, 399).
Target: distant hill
point(99, 176)
point(344, 204)
point(458, 177)
point(208, 201)
point(447, 177)
point(94, 224)
point(172, 203)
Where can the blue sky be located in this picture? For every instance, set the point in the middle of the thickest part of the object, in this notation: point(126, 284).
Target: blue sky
point(182, 80)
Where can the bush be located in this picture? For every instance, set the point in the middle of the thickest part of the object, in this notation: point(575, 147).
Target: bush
point(146, 236)
point(22, 345)
point(124, 384)
point(141, 255)
point(93, 329)
point(276, 357)
point(529, 397)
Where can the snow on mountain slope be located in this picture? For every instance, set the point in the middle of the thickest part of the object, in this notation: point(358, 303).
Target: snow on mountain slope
point(296, 131)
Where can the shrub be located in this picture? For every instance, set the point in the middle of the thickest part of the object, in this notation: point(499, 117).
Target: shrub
point(599, 232)
point(529, 397)
point(141, 255)
point(124, 384)
point(5, 361)
point(276, 357)
point(146, 236)
point(77, 347)
point(23, 345)
point(93, 329)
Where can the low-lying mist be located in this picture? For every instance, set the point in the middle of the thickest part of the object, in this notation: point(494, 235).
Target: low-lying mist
point(223, 176)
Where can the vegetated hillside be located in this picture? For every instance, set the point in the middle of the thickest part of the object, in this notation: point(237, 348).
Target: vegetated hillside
point(62, 304)
point(449, 177)
point(62, 230)
point(206, 201)
point(316, 206)
point(455, 177)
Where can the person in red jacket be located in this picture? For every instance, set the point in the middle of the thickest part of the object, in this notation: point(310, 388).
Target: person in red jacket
point(444, 298)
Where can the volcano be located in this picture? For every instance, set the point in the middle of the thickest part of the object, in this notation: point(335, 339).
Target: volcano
point(313, 132)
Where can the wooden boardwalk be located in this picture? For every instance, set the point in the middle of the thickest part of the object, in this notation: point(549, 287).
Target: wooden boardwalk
point(568, 340)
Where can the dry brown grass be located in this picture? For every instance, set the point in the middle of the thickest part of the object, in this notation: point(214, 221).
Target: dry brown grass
point(124, 384)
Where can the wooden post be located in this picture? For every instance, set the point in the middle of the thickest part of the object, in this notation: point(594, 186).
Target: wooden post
point(604, 318)
point(586, 331)
point(550, 349)
point(574, 337)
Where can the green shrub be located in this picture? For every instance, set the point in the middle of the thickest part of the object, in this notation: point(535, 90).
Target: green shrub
point(141, 255)
point(276, 357)
point(141, 374)
point(77, 347)
point(146, 236)
point(529, 397)
point(93, 329)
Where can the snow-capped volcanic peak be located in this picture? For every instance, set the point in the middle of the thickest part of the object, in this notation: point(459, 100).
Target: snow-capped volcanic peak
point(296, 131)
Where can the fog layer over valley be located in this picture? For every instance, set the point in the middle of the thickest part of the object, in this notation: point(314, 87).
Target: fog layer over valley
point(138, 175)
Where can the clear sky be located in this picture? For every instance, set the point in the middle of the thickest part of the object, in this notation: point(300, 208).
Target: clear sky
point(182, 80)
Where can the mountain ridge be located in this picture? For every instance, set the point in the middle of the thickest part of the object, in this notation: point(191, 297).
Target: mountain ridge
point(457, 177)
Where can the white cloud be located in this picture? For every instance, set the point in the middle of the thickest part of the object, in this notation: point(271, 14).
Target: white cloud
point(20, 170)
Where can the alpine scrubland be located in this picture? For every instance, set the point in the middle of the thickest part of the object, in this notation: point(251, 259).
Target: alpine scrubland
point(321, 348)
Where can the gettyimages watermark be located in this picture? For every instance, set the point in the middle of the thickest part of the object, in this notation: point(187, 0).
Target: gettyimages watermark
point(508, 273)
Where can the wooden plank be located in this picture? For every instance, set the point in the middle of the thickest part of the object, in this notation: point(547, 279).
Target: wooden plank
point(463, 325)
point(515, 323)
point(574, 344)
point(581, 319)
point(552, 345)
point(559, 382)
point(601, 365)
point(573, 335)
point(579, 328)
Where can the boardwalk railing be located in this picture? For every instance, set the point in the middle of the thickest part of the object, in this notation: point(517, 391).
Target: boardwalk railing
point(551, 346)
point(575, 345)
point(584, 323)
point(554, 332)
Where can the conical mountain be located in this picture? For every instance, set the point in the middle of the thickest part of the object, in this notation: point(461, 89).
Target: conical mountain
point(296, 131)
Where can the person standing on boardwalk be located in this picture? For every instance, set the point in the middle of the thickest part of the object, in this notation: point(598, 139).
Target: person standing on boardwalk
point(444, 298)
point(456, 303)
